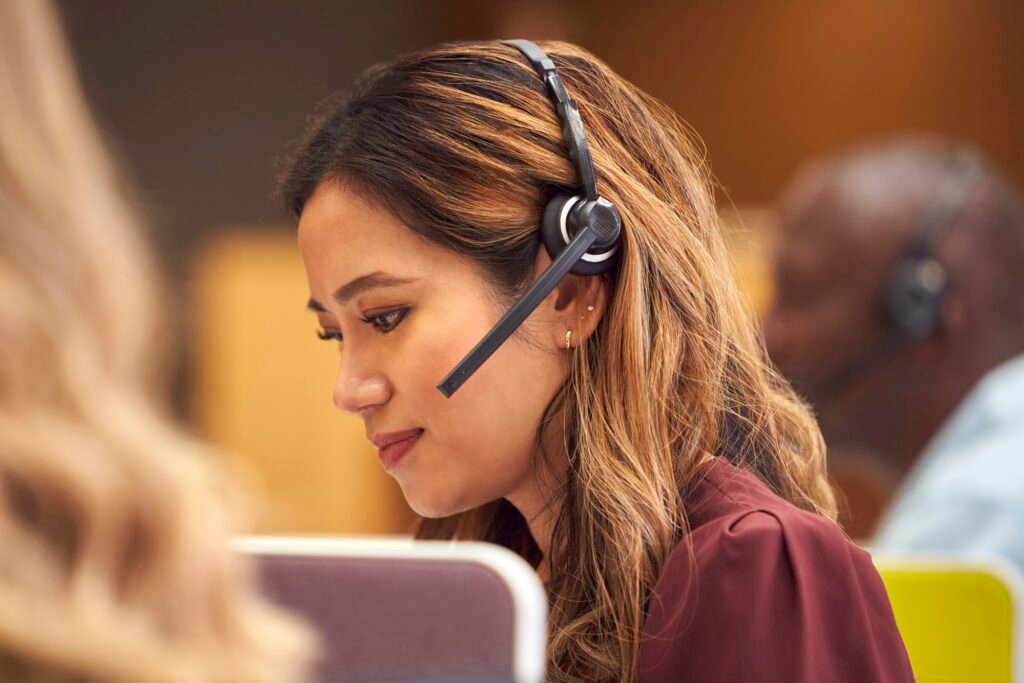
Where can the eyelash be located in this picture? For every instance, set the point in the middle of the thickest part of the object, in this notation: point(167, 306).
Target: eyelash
point(398, 313)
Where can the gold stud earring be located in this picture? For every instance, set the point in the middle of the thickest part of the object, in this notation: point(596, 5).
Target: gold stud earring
point(568, 339)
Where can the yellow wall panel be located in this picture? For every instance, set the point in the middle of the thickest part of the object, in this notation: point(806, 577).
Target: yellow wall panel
point(263, 386)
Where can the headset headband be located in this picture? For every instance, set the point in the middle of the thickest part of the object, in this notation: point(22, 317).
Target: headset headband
point(568, 114)
point(947, 203)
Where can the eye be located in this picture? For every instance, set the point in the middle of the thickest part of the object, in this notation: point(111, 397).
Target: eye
point(386, 321)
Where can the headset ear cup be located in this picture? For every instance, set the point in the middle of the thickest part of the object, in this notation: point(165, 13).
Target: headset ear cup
point(915, 296)
point(557, 230)
point(551, 225)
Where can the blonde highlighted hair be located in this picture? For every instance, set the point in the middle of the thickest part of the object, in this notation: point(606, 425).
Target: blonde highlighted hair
point(463, 144)
point(113, 524)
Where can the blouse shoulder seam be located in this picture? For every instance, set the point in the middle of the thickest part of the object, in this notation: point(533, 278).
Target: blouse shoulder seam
point(748, 506)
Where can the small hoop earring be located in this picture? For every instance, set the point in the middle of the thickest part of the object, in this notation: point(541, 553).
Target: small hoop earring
point(568, 339)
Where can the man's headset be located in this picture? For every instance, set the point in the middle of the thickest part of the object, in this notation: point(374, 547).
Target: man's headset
point(580, 230)
point(915, 293)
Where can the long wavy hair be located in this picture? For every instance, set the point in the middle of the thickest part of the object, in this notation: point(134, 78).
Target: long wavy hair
point(114, 565)
point(462, 143)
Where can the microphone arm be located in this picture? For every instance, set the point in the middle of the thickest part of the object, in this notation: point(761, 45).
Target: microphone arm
point(519, 312)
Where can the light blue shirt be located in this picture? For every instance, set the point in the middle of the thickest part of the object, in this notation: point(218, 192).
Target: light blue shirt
point(965, 495)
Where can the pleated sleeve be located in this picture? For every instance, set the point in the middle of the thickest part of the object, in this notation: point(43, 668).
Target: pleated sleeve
point(771, 597)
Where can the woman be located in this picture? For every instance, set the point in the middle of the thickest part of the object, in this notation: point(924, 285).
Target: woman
point(114, 564)
point(629, 439)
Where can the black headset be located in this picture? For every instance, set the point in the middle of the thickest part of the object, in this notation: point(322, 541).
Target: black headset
point(916, 289)
point(581, 230)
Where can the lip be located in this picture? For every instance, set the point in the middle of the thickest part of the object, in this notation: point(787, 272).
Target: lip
point(393, 446)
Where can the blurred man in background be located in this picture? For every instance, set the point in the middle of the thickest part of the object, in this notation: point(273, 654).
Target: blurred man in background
point(900, 315)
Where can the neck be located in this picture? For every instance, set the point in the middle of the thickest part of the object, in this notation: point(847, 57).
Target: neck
point(542, 525)
point(540, 496)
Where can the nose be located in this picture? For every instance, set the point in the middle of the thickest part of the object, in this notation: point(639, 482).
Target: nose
point(359, 388)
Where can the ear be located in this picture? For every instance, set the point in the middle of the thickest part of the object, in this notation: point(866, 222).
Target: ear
point(577, 304)
point(954, 314)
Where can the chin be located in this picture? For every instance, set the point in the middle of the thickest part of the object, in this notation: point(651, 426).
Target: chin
point(437, 504)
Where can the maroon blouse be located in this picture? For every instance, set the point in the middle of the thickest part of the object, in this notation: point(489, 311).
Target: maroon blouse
point(779, 594)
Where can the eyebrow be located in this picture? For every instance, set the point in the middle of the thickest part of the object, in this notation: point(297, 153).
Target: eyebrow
point(346, 293)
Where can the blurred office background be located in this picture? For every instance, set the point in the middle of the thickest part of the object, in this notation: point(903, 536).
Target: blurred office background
point(201, 98)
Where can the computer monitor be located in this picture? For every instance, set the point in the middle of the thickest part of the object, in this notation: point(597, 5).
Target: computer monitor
point(392, 610)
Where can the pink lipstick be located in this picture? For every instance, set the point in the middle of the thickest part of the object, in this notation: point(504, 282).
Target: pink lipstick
point(393, 446)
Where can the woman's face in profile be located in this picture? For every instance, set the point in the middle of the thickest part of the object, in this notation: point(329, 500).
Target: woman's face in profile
point(406, 311)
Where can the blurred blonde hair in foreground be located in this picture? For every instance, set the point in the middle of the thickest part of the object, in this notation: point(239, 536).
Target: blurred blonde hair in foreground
point(113, 524)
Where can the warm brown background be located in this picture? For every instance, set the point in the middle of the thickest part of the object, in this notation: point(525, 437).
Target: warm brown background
point(203, 95)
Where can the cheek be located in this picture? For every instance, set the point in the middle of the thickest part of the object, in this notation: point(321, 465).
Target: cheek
point(483, 437)
point(489, 407)
point(502, 402)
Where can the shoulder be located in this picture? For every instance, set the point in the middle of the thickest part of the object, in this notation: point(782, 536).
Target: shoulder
point(763, 590)
point(986, 466)
point(969, 502)
point(738, 516)
point(751, 566)
point(976, 453)
point(755, 541)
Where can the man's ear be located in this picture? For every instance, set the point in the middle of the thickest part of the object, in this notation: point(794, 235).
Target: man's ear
point(954, 314)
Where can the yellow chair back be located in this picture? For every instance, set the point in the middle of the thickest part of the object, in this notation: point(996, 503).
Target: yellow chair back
point(960, 619)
